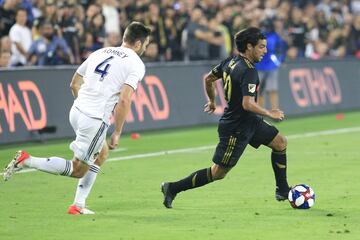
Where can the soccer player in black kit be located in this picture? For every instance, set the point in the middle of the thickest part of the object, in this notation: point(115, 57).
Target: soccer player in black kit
point(242, 122)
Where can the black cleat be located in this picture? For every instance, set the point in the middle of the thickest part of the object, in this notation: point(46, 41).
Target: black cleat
point(281, 195)
point(168, 196)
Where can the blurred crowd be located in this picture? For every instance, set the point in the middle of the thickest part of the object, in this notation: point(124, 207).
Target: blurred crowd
point(54, 32)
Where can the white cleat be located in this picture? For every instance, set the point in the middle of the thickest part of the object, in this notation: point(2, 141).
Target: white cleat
point(15, 165)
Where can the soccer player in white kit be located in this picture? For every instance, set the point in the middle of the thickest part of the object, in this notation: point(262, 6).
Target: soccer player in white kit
point(103, 84)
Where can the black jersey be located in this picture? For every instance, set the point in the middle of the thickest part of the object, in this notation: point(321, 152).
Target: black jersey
point(240, 78)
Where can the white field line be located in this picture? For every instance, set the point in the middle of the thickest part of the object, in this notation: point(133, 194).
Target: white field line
point(119, 150)
point(324, 133)
point(187, 150)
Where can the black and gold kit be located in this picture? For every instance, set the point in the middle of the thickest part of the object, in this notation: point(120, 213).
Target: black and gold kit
point(238, 127)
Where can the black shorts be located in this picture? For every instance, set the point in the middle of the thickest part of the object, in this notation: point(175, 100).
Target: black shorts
point(231, 146)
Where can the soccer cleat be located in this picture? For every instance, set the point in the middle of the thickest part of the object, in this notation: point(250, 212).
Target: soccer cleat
point(281, 195)
point(16, 164)
point(75, 210)
point(168, 196)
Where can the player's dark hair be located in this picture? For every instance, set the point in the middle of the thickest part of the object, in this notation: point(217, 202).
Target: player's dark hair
point(250, 35)
point(136, 31)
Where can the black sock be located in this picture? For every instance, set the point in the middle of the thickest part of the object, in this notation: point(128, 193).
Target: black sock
point(196, 179)
point(278, 161)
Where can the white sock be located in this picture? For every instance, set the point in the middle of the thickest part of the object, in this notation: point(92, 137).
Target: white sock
point(84, 186)
point(54, 165)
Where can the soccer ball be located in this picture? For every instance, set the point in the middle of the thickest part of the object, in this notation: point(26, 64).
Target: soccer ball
point(301, 196)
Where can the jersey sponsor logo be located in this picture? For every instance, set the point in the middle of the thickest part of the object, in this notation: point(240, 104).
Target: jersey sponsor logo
point(252, 88)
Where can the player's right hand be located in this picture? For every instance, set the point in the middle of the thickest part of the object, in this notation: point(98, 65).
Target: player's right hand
point(209, 107)
point(277, 114)
point(114, 141)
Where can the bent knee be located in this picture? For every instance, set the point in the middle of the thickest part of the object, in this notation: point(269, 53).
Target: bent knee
point(103, 155)
point(79, 169)
point(280, 143)
point(77, 173)
point(219, 176)
point(283, 143)
point(218, 172)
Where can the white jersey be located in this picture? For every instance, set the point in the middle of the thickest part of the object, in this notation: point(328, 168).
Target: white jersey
point(104, 73)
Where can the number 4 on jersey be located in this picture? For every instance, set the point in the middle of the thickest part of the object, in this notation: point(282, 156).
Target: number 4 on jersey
point(103, 70)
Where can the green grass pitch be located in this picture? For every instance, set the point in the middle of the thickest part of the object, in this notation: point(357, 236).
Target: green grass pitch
point(128, 202)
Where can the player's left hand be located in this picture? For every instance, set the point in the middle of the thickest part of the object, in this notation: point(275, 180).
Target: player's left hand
point(209, 107)
point(277, 114)
point(114, 141)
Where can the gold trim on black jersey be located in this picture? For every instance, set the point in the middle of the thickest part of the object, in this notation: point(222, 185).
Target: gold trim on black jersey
point(227, 79)
point(247, 61)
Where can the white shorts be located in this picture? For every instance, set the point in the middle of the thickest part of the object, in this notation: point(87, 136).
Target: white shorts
point(90, 135)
